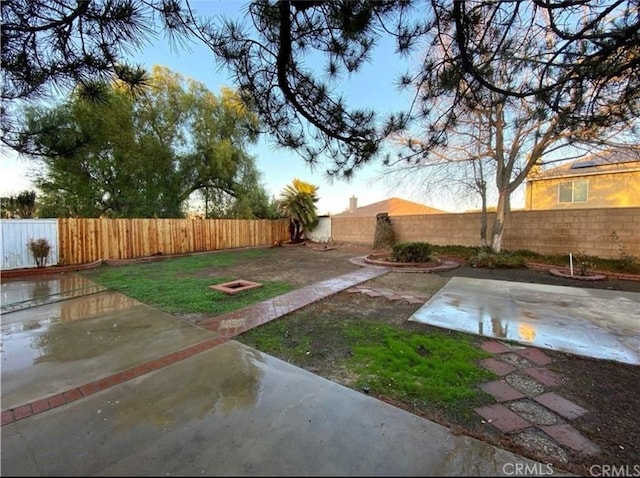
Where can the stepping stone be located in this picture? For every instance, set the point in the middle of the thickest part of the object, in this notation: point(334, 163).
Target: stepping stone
point(566, 435)
point(537, 356)
point(501, 391)
point(544, 376)
point(497, 366)
point(413, 300)
point(502, 418)
point(560, 405)
point(494, 347)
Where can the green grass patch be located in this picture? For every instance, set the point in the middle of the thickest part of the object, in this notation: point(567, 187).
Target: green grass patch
point(405, 365)
point(440, 369)
point(172, 285)
point(275, 339)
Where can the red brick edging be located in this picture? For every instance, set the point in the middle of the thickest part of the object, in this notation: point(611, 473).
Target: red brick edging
point(23, 411)
point(33, 271)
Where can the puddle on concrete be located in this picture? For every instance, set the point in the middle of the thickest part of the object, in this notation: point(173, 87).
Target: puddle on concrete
point(595, 323)
point(25, 293)
point(91, 336)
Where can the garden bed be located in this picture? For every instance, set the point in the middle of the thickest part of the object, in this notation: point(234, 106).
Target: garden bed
point(431, 266)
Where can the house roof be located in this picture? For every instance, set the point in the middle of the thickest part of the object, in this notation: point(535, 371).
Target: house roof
point(601, 163)
point(393, 207)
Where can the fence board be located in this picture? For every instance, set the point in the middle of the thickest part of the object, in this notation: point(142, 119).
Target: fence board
point(87, 240)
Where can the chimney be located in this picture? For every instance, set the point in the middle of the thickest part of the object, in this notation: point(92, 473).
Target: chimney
point(353, 204)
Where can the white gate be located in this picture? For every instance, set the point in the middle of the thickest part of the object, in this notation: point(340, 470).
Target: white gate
point(322, 232)
point(15, 235)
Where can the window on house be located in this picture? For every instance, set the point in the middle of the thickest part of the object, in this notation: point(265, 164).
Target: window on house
point(574, 191)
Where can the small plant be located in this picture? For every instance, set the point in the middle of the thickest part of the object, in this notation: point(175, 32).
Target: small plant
point(585, 263)
point(628, 262)
point(40, 249)
point(415, 252)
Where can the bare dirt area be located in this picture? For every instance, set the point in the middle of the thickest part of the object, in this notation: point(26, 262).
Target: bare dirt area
point(608, 390)
point(298, 265)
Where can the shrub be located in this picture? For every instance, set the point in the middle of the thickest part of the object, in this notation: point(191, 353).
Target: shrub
point(40, 249)
point(456, 250)
point(411, 252)
point(492, 260)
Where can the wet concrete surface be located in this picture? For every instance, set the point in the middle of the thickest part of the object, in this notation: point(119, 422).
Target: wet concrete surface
point(50, 348)
point(235, 411)
point(23, 294)
point(597, 323)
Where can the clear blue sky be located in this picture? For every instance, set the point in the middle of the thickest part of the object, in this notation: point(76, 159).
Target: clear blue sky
point(373, 87)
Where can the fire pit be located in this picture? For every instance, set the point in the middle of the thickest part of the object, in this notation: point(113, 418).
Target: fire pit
point(235, 286)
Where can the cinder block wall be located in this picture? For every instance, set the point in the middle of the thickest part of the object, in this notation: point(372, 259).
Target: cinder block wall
point(548, 232)
point(579, 230)
point(354, 230)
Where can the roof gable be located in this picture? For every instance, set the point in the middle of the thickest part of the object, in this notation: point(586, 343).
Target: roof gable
point(391, 206)
point(601, 163)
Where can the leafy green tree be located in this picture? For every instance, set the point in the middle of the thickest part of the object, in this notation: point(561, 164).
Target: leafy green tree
point(21, 206)
point(142, 155)
point(298, 202)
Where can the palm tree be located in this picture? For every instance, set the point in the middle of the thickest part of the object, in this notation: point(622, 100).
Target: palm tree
point(298, 201)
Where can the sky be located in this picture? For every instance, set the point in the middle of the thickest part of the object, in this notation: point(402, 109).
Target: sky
point(373, 87)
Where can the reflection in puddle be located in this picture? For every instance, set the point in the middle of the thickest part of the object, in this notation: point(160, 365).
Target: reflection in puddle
point(37, 288)
point(211, 390)
point(527, 332)
point(99, 303)
point(70, 343)
point(574, 321)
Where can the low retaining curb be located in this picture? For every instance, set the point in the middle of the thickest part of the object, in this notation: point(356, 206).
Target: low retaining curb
point(539, 266)
point(433, 266)
point(34, 271)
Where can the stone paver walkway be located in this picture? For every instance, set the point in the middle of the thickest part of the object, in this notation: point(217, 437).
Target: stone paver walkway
point(388, 294)
point(234, 323)
point(527, 407)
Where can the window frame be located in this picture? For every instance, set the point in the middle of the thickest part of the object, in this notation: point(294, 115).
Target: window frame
point(574, 186)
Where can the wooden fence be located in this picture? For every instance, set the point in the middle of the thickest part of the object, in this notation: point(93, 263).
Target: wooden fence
point(87, 240)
